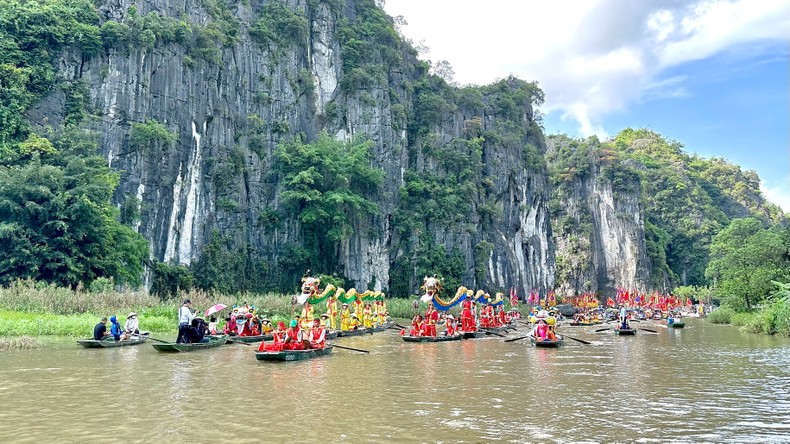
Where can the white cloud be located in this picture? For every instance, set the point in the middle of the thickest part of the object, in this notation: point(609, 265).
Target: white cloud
point(591, 57)
point(778, 192)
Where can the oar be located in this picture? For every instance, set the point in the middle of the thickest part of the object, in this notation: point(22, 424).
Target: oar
point(495, 334)
point(603, 329)
point(239, 342)
point(153, 339)
point(647, 329)
point(398, 325)
point(577, 340)
point(516, 339)
point(350, 348)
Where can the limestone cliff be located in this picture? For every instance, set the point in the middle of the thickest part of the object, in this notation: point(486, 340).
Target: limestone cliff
point(230, 80)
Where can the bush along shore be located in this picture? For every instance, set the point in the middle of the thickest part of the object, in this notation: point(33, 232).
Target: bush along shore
point(772, 318)
point(36, 309)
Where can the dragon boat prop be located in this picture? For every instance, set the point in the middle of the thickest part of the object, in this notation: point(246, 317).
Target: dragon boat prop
point(433, 287)
point(311, 294)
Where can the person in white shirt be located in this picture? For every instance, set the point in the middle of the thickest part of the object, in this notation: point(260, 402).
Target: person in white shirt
point(185, 316)
point(130, 327)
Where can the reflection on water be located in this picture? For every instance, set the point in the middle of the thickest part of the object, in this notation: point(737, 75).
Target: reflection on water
point(702, 384)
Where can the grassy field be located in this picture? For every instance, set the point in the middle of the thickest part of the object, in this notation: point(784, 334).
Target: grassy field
point(30, 308)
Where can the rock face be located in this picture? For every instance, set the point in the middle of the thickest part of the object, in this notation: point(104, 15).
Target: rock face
point(232, 107)
point(599, 232)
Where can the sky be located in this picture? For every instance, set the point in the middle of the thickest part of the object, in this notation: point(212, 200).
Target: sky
point(711, 74)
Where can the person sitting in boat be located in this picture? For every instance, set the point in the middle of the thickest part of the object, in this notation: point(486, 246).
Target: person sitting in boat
point(197, 331)
point(244, 324)
point(317, 336)
point(100, 330)
point(230, 326)
point(417, 326)
point(345, 317)
point(130, 327)
point(266, 326)
point(255, 326)
point(487, 317)
point(326, 321)
point(278, 339)
point(502, 316)
point(542, 331)
point(449, 326)
point(212, 325)
point(293, 337)
point(515, 314)
point(354, 323)
point(115, 329)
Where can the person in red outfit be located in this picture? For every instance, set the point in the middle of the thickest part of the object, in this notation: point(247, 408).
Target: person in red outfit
point(449, 326)
point(417, 326)
point(431, 318)
point(293, 337)
point(317, 336)
point(467, 320)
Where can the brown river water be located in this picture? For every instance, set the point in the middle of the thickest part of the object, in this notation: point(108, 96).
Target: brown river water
point(705, 383)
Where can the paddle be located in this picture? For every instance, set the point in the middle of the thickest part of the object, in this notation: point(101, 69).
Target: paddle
point(239, 342)
point(153, 339)
point(516, 339)
point(350, 348)
point(495, 334)
point(647, 329)
point(577, 340)
point(603, 329)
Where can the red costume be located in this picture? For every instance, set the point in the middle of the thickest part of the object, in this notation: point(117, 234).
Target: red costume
point(278, 337)
point(467, 321)
point(431, 318)
point(417, 326)
point(293, 339)
point(317, 336)
point(487, 317)
point(449, 327)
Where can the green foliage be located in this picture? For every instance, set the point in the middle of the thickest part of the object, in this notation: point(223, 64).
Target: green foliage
point(145, 136)
point(280, 26)
point(327, 185)
point(58, 224)
point(746, 257)
point(169, 279)
point(228, 269)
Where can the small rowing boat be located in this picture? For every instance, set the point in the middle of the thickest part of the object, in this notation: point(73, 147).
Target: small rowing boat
point(676, 324)
point(108, 343)
point(172, 347)
point(293, 355)
point(431, 338)
point(556, 343)
point(625, 331)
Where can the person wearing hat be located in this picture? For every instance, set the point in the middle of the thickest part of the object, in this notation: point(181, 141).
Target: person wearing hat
point(307, 315)
point(449, 326)
point(354, 323)
point(317, 335)
point(266, 326)
point(417, 326)
point(431, 319)
point(185, 316)
point(130, 327)
point(467, 320)
point(325, 321)
point(294, 339)
point(345, 317)
point(542, 331)
point(367, 316)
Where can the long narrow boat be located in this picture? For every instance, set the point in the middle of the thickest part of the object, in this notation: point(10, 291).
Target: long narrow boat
point(293, 355)
point(332, 334)
point(625, 331)
point(547, 343)
point(432, 338)
point(677, 324)
point(172, 347)
point(585, 324)
point(250, 339)
point(108, 343)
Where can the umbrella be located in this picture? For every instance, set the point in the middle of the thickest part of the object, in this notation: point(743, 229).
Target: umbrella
point(215, 308)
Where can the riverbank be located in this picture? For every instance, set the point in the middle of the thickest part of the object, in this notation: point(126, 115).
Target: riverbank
point(34, 309)
point(773, 319)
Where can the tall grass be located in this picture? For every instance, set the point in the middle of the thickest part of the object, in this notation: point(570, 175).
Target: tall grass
point(772, 319)
point(19, 343)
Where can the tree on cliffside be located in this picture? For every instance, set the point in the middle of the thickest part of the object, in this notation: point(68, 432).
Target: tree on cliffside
point(745, 258)
point(328, 185)
point(56, 220)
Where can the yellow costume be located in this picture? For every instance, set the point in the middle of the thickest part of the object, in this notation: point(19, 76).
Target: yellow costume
point(358, 307)
point(345, 316)
point(331, 311)
point(307, 316)
point(367, 317)
point(353, 323)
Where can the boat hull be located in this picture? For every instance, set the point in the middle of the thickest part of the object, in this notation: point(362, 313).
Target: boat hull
point(547, 344)
point(293, 355)
point(677, 325)
point(625, 331)
point(172, 347)
point(92, 343)
point(431, 338)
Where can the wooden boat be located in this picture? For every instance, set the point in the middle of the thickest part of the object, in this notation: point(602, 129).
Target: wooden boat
point(472, 334)
point(172, 347)
point(677, 324)
point(107, 343)
point(250, 339)
point(292, 355)
point(431, 338)
point(585, 324)
point(547, 343)
point(625, 331)
point(332, 334)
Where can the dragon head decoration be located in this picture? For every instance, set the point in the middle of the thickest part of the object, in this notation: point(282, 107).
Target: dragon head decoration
point(309, 288)
point(432, 286)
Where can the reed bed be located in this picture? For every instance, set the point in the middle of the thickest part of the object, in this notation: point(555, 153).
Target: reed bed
point(19, 343)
